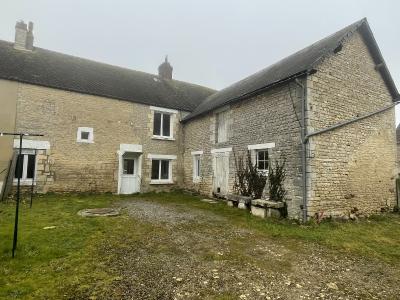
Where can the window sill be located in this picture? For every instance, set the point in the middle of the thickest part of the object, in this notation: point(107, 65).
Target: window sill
point(165, 138)
point(24, 182)
point(85, 142)
point(166, 181)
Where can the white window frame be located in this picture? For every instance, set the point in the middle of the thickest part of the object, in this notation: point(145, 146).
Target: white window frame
point(260, 147)
point(161, 157)
point(264, 171)
point(197, 165)
point(164, 111)
point(24, 180)
point(90, 139)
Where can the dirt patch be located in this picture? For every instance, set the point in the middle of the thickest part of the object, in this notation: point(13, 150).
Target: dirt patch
point(145, 210)
point(194, 254)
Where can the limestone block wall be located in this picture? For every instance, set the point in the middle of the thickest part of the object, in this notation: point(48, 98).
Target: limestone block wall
point(353, 166)
point(90, 166)
point(267, 118)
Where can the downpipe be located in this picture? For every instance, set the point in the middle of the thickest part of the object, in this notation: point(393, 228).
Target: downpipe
point(303, 134)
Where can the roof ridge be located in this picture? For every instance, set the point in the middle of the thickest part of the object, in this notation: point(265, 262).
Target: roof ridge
point(296, 64)
point(109, 65)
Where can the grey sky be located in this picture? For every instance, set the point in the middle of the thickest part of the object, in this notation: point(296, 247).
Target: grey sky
point(209, 42)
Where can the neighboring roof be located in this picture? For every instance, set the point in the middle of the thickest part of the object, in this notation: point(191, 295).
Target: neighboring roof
point(66, 72)
point(297, 64)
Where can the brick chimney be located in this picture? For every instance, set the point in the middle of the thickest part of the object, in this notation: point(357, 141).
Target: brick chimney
point(23, 36)
point(165, 69)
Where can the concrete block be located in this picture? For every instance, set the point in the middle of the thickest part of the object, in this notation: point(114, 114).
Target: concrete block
point(258, 211)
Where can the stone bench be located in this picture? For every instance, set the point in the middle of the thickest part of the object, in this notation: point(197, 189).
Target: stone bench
point(266, 208)
point(241, 202)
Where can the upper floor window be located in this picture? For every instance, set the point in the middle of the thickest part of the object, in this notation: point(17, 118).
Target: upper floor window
point(222, 126)
point(85, 135)
point(163, 119)
point(162, 124)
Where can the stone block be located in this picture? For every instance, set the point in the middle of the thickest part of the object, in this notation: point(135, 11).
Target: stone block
point(258, 211)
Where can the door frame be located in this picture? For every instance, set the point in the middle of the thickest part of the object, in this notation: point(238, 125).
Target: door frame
point(134, 148)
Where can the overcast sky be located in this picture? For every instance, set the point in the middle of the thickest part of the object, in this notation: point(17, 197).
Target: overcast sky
point(209, 42)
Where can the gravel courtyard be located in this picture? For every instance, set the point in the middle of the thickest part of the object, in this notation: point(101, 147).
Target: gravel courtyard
point(194, 254)
point(176, 246)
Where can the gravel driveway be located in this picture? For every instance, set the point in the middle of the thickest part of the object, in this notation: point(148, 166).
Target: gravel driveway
point(195, 254)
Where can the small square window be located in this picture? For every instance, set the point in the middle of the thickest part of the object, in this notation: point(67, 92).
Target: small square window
point(85, 135)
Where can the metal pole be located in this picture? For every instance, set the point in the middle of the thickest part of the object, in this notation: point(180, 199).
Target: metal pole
point(18, 195)
point(33, 182)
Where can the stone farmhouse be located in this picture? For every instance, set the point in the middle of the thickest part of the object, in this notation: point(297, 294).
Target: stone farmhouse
point(329, 109)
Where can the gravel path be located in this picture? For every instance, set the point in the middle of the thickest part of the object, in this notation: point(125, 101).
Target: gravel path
point(193, 254)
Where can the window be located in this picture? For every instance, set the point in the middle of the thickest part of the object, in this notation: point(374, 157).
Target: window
point(25, 168)
point(162, 125)
point(84, 135)
point(196, 167)
point(129, 166)
point(262, 160)
point(222, 127)
point(161, 170)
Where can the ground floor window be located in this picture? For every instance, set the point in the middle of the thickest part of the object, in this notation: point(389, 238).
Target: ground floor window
point(25, 167)
point(262, 160)
point(161, 170)
point(196, 167)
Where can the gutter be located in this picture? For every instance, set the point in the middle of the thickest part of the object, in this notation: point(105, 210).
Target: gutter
point(341, 124)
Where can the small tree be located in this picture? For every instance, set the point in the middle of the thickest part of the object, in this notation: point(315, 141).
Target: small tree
point(276, 178)
point(248, 180)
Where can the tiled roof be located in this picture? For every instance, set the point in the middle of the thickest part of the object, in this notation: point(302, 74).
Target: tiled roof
point(61, 71)
point(292, 66)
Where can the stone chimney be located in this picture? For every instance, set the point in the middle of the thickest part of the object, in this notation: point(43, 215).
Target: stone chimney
point(165, 69)
point(23, 36)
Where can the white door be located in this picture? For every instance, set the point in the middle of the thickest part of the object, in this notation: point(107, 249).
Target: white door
point(221, 173)
point(130, 180)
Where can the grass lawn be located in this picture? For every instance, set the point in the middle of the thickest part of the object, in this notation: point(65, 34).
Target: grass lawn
point(85, 258)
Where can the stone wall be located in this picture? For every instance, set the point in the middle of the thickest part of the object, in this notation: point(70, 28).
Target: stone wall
point(266, 118)
point(90, 166)
point(353, 166)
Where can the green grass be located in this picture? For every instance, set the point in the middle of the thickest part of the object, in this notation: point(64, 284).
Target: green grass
point(61, 262)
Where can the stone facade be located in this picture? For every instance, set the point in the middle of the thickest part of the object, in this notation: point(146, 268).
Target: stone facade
point(353, 166)
point(345, 167)
point(267, 118)
point(72, 166)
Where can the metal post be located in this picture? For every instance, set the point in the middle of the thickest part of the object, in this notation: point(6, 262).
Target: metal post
point(33, 182)
point(18, 195)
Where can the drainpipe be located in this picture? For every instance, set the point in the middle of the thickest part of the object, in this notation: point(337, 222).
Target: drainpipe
point(356, 119)
point(303, 135)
